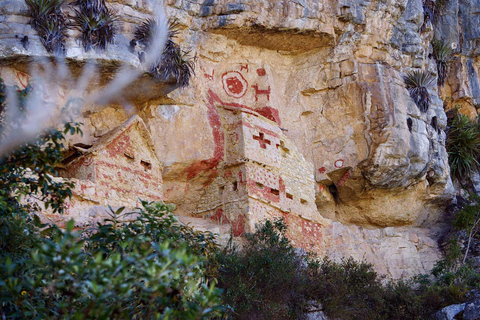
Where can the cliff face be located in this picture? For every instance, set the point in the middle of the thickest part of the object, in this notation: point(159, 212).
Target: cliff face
point(298, 109)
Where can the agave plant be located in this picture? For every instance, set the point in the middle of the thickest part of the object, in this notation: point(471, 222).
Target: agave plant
point(96, 23)
point(417, 83)
point(146, 31)
point(173, 63)
point(41, 10)
point(463, 146)
point(49, 21)
point(442, 54)
point(53, 34)
point(94, 6)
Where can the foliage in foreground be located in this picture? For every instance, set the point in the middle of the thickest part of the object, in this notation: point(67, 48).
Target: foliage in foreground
point(151, 268)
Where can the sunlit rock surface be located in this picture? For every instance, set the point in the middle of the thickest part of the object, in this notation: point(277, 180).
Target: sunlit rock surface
point(297, 109)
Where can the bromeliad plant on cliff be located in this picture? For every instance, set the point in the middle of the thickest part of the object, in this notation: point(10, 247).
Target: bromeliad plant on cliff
point(50, 23)
point(174, 63)
point(418, 83)
point(96, 22)
point(442, 53)
point(463, 146)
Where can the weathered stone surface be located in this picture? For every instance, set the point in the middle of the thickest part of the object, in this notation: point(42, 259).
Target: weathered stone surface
point(472, 310)
point(297, 110)
point(449, 313)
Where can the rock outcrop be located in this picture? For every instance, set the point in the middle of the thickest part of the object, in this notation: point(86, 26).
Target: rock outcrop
point(298, 109)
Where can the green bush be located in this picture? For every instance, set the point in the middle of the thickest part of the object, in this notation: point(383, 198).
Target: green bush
point(151, 268)
point(268, 280)
point(347, 290)
point(463, 146)
point(264, 280)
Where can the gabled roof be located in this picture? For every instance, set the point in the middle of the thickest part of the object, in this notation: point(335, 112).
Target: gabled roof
point(110, 136)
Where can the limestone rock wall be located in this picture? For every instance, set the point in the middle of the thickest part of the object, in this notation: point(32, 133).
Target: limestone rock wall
point(298, 109)
point(459, 27)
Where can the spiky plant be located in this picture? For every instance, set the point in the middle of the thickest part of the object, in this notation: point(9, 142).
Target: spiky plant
point(442, 53)
point(417, 83)
point(41, 10)
point(173, 63)
point(94, 6)
point(53, 34)
point(146, 31)
point(463, 146)
point(49, 21)
point(96, 23)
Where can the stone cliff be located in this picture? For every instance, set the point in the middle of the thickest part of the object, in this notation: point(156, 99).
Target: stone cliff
point(298, 109)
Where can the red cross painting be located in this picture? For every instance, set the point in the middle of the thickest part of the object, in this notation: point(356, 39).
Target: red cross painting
point(261, 140)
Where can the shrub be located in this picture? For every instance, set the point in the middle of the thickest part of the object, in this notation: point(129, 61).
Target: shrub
point(264, 281)
point(347, 290)
point(174, 62)
point(442, 54)
point(463, 146)
point(96, 22)
point(150, 268)
point(417, 83)
point(50, 23)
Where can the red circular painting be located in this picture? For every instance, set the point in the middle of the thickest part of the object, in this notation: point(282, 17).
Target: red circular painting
point(234, 84)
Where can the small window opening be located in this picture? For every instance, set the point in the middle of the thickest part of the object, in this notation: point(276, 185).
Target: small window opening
point(220, 190)
point(146, 165)
point(303, 201)
point(290, 196)
point(259, 185)
point(131, 156)
point(275, 192)
point(235, 186)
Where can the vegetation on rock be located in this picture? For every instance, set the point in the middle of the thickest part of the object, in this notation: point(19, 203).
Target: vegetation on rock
point(96, 22)
point(50, 22)
point(418, 83)
point(463, 146)
point(442, 53)
point(174, 63)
